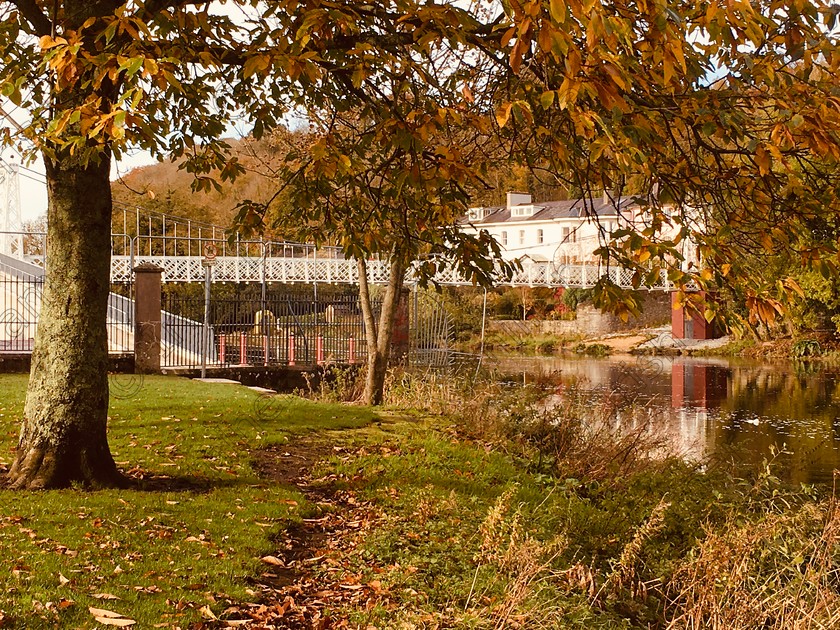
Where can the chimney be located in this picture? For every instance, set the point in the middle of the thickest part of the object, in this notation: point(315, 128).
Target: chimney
point(517, 199)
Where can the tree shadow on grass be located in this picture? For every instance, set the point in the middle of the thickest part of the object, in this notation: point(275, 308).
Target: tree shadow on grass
point(184, 483)
point(162, 483)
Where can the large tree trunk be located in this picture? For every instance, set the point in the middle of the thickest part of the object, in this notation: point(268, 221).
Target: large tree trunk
point(378, 335)
point(63, 438)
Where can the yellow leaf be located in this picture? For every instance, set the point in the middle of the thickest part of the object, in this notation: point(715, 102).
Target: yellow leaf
point(667, 70)
point(254, 64)
point(503, 114)
point(792, 284)
point(47, 42)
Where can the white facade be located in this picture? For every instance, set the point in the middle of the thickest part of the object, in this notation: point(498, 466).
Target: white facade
point(566, 232)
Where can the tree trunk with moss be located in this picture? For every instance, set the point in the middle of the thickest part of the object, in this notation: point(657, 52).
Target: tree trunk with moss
point(379, 334)
point(63, 439)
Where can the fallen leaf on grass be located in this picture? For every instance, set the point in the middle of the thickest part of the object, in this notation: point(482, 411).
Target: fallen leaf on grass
point(104, 596)
point(62, 580)
point(110, 618)
point(207, 613)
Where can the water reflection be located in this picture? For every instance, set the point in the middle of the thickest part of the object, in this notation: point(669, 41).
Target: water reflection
point(719, 408)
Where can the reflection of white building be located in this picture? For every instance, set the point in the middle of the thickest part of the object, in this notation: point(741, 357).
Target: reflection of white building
point(565, 232)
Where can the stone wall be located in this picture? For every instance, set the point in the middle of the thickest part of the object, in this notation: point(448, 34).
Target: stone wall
point(590, 321)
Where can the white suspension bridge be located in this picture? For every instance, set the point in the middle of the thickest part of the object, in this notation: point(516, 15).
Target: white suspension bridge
point(179, 246)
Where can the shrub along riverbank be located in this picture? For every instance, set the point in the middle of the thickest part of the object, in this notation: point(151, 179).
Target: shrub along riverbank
point(458, 506)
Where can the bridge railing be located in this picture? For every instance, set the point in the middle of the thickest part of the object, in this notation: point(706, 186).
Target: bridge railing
point(269, 261)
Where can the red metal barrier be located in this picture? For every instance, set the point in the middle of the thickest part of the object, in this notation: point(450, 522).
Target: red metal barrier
point(243, 349)
point(291, 348)
point(265, 350)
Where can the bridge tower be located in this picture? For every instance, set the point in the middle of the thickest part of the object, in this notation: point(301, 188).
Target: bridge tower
point(10, 216)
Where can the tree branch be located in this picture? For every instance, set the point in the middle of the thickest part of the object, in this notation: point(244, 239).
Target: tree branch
point(30, 10)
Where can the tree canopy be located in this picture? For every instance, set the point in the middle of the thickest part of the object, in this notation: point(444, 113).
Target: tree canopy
point(721, 115)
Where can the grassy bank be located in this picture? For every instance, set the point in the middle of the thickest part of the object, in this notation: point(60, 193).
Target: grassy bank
point(187, 541)
point(461, 506)
point(511, 518)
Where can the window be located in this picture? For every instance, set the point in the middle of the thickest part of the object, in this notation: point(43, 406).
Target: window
point(522, 211)
point(574, 236)
point(539, 236)
point(565, 234)
point(504, 238)
point(476, 214)
point(521, 237)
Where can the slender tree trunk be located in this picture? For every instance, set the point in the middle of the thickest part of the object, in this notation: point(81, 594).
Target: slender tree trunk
point(63, 438)
point(378, 335)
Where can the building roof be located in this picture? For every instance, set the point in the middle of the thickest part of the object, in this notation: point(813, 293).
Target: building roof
point(553, 210)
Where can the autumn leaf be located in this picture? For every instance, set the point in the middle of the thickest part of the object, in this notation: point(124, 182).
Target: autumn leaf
point(273, 560)
point(110, 618)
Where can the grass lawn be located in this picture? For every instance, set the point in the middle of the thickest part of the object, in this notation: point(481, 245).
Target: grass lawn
point(188, 539)
point(409, 521)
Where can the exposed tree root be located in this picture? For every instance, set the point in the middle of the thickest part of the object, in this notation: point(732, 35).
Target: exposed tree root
point(39, 468)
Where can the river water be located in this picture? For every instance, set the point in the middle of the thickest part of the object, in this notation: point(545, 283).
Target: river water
point(713, 407)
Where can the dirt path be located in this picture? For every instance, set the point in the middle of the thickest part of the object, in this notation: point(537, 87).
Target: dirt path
point(623, 345)
point(308, 575)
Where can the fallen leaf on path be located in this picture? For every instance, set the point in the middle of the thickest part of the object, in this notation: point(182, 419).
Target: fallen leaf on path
point(273, 560)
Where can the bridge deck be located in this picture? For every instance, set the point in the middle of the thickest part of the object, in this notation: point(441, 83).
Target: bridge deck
point(342, 271)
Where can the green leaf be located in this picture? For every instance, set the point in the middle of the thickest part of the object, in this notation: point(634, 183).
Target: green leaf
point(557, 8)
point(546, 99)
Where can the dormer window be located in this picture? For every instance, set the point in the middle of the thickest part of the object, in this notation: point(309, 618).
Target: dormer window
point(476, 214)
point(522, 211)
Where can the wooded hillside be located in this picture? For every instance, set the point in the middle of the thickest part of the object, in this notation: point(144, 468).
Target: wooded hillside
point(168, 189)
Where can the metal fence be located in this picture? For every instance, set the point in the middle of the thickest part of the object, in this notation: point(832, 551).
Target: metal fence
point(20, 308)
point(278, 329)
point(20, 303)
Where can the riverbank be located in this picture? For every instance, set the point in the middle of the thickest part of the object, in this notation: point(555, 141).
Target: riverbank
point(462, 505)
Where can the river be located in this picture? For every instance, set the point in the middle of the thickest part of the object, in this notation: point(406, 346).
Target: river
point(713, 407)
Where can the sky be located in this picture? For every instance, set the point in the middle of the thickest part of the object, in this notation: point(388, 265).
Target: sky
point(33, 189)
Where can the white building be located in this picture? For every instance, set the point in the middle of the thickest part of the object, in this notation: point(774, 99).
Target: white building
point(566, 232)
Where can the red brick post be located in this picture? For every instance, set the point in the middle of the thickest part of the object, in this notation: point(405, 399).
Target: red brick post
point(689, 323)
point(147, 307)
